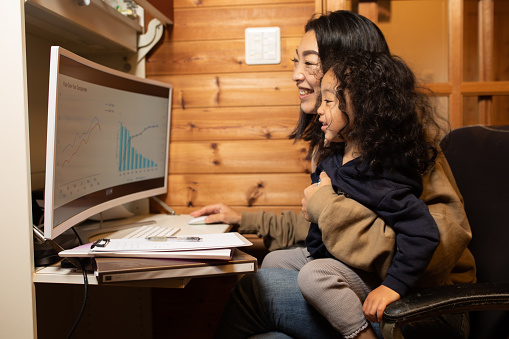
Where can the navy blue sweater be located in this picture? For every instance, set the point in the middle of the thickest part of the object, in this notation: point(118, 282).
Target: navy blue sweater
point(393, 197)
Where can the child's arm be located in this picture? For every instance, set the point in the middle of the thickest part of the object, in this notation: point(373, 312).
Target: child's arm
point(377, 301)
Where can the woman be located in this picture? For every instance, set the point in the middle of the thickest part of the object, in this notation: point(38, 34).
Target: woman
point(270, 301)
point(337, 31)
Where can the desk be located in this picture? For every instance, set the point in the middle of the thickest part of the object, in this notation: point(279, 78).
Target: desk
point(138, 309)
point(94, 230)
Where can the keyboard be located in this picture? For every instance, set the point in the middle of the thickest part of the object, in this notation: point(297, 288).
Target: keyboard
point(151, 231)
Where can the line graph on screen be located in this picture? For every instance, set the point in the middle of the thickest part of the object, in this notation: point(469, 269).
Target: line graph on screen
point(72, 149)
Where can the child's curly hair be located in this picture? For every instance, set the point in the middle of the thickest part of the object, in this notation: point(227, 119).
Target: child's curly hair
point(393, 123)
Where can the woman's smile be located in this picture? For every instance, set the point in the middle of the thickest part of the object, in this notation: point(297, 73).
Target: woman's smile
point(305, 92)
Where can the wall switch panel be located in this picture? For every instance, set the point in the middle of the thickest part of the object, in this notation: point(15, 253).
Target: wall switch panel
point(263, 45)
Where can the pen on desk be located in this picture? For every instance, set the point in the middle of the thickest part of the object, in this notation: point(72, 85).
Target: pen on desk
point(183, 238)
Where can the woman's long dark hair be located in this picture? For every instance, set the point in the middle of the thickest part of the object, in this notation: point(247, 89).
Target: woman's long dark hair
point(393, 123)
point(337, 32)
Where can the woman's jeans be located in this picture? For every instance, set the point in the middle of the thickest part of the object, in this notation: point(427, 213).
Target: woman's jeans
point(269, 304)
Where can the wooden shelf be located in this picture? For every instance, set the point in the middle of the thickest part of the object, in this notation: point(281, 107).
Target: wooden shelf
point(94, 28)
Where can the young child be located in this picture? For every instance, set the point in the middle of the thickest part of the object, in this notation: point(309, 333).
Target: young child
point(375, 124)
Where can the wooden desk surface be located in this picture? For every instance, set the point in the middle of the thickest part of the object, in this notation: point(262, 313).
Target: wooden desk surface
point(92, 231)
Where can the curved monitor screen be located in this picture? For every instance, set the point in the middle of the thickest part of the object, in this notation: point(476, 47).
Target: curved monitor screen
point(107, 141)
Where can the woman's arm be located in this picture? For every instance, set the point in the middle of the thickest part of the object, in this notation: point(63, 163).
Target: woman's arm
point(351, 232)
point(278, 231)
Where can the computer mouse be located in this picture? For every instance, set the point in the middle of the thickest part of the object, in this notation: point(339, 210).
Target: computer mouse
point(197, 221)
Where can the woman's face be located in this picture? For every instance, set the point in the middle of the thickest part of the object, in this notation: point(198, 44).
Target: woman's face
point(332, 118)
point(307, 72)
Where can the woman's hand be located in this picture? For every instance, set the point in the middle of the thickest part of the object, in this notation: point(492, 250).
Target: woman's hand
point(219, 213)
point(310, 190)
point(376, 302)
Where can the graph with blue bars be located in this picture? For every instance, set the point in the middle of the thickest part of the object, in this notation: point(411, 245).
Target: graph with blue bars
point(129, 157)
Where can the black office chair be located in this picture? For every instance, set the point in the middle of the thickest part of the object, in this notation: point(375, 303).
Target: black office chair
point(479, 159)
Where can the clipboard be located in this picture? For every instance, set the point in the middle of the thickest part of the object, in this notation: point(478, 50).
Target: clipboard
point(209, 246)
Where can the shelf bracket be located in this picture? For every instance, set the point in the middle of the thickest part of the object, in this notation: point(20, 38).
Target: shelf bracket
point(148, 40)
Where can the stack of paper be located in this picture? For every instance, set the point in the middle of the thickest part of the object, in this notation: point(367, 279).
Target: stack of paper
point(207, 246)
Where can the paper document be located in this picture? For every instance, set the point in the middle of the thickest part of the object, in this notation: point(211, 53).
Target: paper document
point(215, 253)
point(207, 241)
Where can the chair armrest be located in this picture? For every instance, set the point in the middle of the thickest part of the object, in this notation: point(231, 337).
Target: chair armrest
point(435, 301)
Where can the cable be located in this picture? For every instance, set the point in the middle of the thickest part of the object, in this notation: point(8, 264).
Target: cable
point(85, 298)
point(40, 239)
point(77, 236)
point(85, 283)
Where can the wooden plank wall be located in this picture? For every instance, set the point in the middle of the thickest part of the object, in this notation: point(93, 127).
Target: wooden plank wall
point(230, 121)
point(498, 63)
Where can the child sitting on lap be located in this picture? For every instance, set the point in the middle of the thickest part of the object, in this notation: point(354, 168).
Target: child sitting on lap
point(376, 149)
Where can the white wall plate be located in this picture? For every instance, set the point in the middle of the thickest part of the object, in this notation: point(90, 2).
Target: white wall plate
point(263, 45)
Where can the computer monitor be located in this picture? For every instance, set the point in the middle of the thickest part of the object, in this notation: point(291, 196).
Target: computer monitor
point(107, 140)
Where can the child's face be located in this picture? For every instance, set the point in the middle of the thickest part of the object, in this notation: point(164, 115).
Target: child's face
point(307, 72)
point(332, 118)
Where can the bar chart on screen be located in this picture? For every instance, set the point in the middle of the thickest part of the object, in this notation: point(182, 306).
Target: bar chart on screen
point(129, 157)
